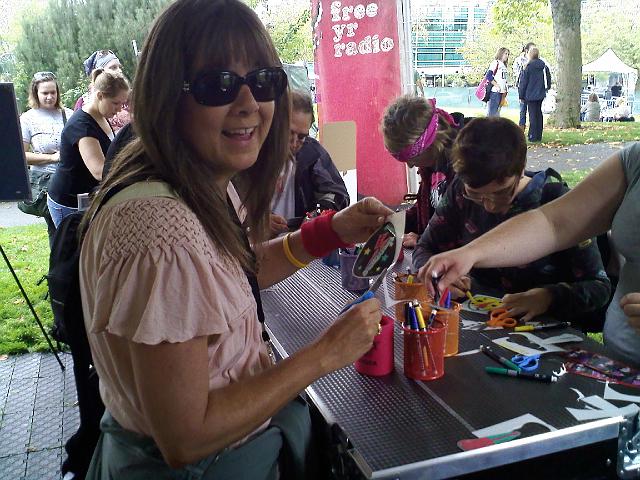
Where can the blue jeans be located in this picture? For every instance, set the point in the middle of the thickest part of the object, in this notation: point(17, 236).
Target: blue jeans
point(57, 211)
point(523, 113)
point(494, 104)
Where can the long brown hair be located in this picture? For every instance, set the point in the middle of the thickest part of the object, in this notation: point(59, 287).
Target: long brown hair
point(189, 32)
point(38, 78)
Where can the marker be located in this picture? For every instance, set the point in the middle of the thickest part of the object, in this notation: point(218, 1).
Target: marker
point(468, 294)
point(540, 377)
point(434, 282)
point(494, 356)
point(420, 316)
point(413, 317)
point(532, 328)
point(448, 302)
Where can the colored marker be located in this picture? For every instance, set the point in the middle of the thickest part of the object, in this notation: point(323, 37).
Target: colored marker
point(547, 326)
point(413, 317)
point(434, 283)
point(420, 316)
point(540, 377)
point(448, 302)
point(494, 356)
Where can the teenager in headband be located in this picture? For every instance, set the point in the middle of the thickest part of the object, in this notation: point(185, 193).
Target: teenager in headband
point(419, 134)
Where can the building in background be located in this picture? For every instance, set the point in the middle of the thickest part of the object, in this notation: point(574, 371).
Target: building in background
point(439, 28)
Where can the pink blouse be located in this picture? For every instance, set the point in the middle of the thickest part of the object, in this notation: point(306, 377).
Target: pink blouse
point(150, 274)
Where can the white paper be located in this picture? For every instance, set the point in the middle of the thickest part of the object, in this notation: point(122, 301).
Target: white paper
point(468, 306)
point(398, 221)
point(592, 414)
point(511, 425)
point(611, 394)
point(548, 344)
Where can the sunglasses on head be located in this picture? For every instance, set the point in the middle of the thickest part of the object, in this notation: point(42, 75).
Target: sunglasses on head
point(39, 76)
point(215, 88)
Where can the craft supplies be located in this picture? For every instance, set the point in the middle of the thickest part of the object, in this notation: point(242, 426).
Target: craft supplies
point(539, 377)
point(547, 326)
point(494, 356)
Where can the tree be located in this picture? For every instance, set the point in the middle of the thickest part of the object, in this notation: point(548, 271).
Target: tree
point(568, 49)
point(68, 31)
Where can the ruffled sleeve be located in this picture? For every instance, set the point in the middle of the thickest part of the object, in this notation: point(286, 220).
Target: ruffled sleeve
point(159, 278)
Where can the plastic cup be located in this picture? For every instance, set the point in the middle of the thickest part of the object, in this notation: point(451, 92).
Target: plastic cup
point(408, 291)
point(379, 360)
point(349, 281)
point(451, 319)
point(424, 353)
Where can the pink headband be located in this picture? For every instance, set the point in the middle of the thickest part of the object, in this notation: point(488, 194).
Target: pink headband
point(428, 136)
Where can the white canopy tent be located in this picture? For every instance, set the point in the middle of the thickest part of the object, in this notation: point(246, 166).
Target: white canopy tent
point(609, 62)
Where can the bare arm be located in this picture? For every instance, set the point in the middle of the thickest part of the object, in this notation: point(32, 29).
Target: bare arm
point(584, 212)
point(39, 158)
point(92, 156)
point(353, 224)
point(189, 422)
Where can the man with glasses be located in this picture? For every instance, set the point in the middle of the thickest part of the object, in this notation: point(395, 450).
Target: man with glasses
point(309, 178)
point(491, 186)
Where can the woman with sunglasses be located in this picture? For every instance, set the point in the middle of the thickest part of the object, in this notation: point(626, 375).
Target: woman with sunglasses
point(169, 281)
point(41, 129)
point(492, 186)
point(85, 141)
point(419, 134)
point(108, 61)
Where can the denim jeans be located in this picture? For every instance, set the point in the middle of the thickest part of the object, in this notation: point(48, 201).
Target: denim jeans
point(535, 121)
point(57, 211)
point(494, 104)
point(523, 114)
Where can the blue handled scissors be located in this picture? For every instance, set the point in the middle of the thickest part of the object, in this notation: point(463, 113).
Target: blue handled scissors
point(370, 293)
point(527, 363)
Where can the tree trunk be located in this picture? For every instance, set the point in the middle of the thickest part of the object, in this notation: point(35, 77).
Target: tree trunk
point(568, 48)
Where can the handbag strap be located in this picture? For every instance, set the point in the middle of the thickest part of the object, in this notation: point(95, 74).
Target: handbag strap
point(64, 117)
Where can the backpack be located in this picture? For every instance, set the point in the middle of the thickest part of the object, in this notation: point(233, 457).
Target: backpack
point(64, 279)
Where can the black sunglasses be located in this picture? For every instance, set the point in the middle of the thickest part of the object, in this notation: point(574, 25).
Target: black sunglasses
point(220, 87)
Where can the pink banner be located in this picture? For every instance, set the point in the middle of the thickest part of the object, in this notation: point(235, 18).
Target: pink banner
point(357, 59)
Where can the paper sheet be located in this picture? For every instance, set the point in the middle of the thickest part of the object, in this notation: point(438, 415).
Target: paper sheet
point(547, 345)
point(489, 301)
point(582, 414)
point(611, 394)
point(511, 425)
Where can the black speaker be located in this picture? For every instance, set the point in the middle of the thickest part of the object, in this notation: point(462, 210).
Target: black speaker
point(14, 176)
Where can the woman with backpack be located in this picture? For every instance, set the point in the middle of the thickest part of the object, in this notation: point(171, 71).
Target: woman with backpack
point(419, 134)
point(170, 268)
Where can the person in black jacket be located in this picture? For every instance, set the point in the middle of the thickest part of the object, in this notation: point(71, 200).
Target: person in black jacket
point(310, 178)
point(534, 84)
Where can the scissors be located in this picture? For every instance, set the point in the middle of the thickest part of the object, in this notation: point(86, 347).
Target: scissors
point(528, 363)
point(370, 293)
point(500, 318)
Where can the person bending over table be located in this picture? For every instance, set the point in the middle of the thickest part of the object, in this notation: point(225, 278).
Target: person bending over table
point(421, 135)
point(492, 186)
point(170, 284)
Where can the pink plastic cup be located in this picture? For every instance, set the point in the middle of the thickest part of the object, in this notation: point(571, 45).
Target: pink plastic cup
point(379, 360)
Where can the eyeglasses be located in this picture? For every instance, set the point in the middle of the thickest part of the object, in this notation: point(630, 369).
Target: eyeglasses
point(219, 87)
point(40, 76)
point(501, 197)
point(301, 137)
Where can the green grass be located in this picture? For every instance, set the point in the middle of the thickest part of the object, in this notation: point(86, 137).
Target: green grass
point(28, 251)
point(591, 132)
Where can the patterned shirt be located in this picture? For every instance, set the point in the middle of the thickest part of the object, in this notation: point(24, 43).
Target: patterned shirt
point(575, 276)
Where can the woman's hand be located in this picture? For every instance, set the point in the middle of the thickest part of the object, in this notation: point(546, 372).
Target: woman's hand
point(351, 335)
point(451, 266)
point(410, 240)
point(529, 304)
point(630, 305)
point(55, 157)
point(356, 223)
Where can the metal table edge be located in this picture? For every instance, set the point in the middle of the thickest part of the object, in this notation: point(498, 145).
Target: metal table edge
point(506, 453)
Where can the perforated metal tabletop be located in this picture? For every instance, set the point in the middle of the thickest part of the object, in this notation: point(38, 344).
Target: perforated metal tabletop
point(401, 428)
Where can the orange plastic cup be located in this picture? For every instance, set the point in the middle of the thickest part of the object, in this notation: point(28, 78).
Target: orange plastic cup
point(424, 353)
point(408, 291)
point(451, 319)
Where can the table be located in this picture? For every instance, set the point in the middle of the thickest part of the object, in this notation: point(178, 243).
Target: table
point(394, 427)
